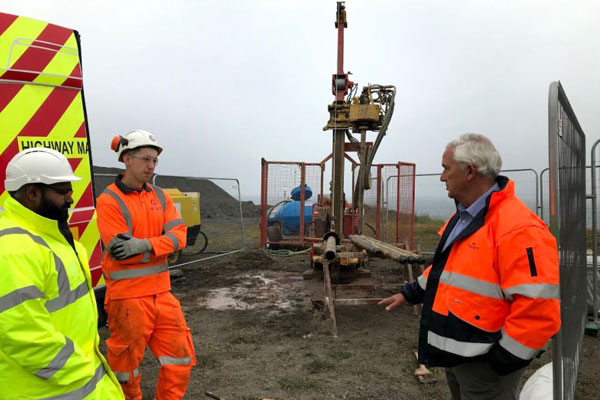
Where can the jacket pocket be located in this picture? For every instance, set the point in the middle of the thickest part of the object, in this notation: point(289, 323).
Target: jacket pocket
point(119, 360)
point(484, 313)
point(190, 342)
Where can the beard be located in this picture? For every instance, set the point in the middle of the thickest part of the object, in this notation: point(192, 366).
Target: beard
point(52, 211)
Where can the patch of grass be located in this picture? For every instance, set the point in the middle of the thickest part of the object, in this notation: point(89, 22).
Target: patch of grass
point(339, 355)
point(245, 337)
point(298, 383)
point(427, 220)
point(425, 232)
point(234, 353)
point(207, 361)
point(318, 366)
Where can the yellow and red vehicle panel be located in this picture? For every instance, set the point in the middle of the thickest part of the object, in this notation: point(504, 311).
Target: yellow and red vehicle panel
point(42, 105)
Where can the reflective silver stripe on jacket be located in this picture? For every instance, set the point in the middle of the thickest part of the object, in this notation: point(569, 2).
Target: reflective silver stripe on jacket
point(173, 240)
point(123, 377)
point(473, 285)
point(422, 280)
point(63, 279)
point(19, 296)
point(172, 224)
point(138, 272)
point(124, 210)
point(167, 360)
point(465, 349)
point(83, 391)
point(58, 362)
point(161, 197)
point(516, 348)
point(534, 291)
point(127, 216)
point(66, 296)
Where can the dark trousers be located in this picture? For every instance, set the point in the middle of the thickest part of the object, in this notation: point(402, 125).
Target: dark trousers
point(475, 380)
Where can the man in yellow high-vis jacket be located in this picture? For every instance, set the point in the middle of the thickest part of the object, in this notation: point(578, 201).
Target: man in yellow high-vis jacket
point(48, 316)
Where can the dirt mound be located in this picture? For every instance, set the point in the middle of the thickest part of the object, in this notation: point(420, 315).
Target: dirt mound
point(254, 258)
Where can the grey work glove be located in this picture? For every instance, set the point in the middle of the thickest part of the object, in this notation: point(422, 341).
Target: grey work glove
point(129, 247)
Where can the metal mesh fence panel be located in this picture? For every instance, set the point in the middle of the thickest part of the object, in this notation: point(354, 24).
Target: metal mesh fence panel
point(544, 205)
point(526, 186)
point(432, 208)
point(567, 222)
point(281, 222)
point(389, 203)
point(282, 179)
point(405, 204)
point(390, 200)
point(432, 202)
point(289, 192)
point(217, 221)
point(371, 201)
point(314, 179)
point(592, 260)
point(545, 214)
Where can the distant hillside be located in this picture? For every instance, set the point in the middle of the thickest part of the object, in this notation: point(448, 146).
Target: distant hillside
point(214, 201)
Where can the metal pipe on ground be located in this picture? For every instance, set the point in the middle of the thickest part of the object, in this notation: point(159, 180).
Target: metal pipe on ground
point(330, 249)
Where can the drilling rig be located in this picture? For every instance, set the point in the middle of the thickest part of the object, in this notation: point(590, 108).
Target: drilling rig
point(342, 253)
point(348, 116)
point(334, 225)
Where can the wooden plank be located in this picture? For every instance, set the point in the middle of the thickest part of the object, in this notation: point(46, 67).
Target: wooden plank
point(382, 286)
point(329, 296)
point(357, 302)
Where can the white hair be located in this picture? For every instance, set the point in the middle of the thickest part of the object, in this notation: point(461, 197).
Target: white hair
point(478, 150)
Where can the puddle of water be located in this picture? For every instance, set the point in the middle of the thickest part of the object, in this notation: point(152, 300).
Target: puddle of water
point(222, 299)
point(280, 290)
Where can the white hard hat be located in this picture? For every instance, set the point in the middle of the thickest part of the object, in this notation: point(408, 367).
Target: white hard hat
point(132, 140)
point(38, 165)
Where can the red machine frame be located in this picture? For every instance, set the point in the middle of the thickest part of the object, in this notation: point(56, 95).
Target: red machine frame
point(402, 233)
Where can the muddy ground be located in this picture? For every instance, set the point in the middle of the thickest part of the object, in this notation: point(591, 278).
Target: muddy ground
point(257, 335)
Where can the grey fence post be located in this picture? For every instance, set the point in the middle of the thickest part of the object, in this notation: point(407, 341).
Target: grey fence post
point(542, 192)
point(594, 235)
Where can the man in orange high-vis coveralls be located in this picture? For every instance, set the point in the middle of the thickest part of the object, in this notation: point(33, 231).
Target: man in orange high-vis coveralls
point(491, 298)
point(140, 227)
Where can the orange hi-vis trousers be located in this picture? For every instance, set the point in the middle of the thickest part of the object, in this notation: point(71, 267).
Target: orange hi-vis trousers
point(155, 321)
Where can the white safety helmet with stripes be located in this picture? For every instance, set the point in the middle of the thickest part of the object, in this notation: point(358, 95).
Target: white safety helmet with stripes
point(38, 165)
point(133, 140)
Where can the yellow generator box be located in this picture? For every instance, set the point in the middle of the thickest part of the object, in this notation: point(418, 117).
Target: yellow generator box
point(188, 205)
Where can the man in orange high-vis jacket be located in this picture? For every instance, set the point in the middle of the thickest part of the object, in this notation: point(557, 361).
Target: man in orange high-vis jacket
point(140, 227)
point(491, 295)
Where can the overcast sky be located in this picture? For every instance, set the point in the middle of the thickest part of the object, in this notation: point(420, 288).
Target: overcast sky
point(223, 83)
